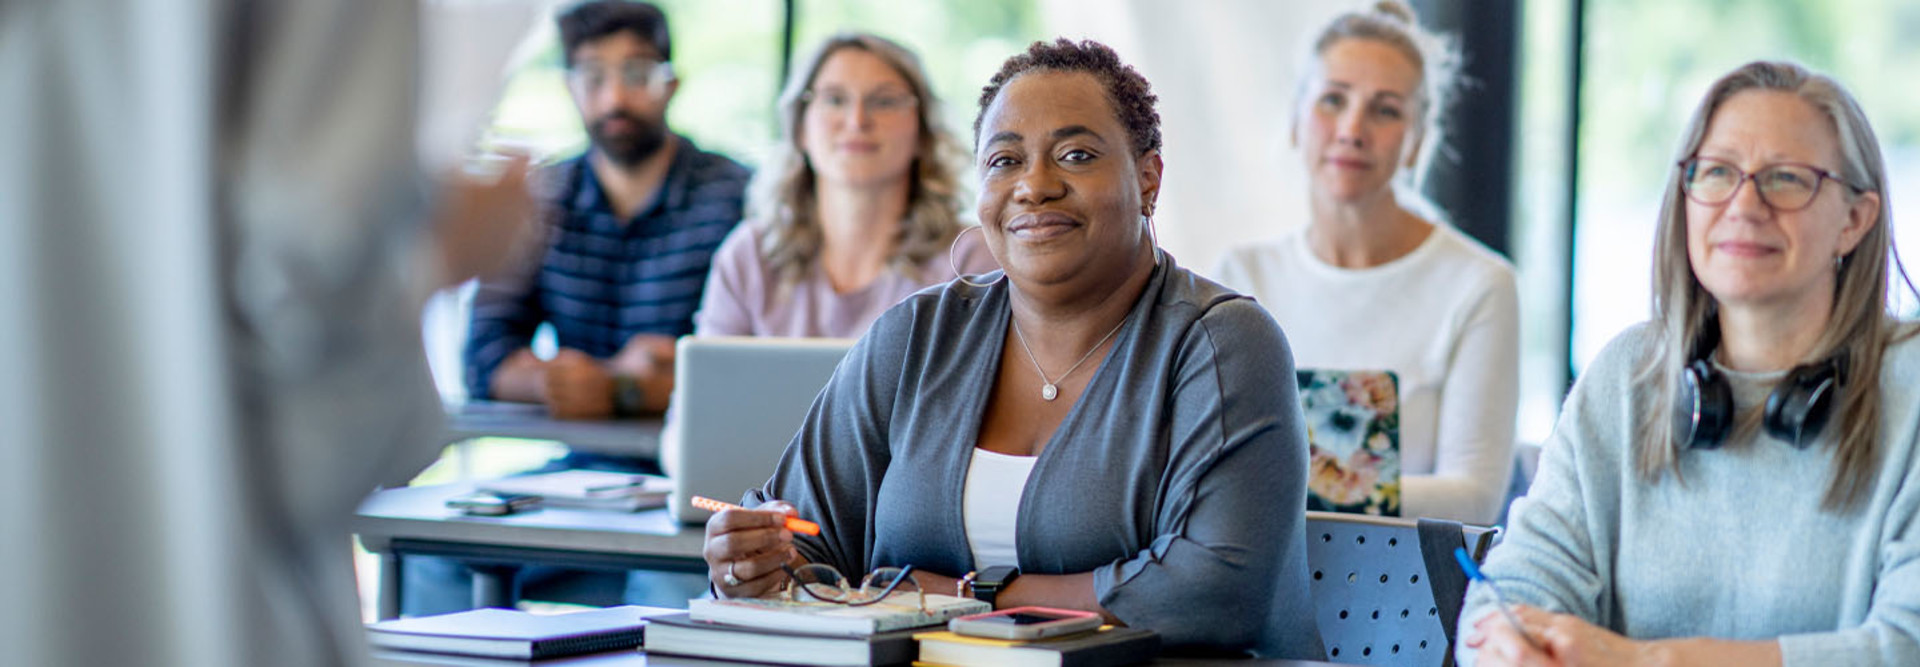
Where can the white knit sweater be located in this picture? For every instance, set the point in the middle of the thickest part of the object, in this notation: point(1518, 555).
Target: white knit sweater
point(1445, 319)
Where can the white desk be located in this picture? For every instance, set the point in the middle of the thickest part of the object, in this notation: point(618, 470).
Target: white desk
point(632, 658)
point(626, 437)
point(396, 523)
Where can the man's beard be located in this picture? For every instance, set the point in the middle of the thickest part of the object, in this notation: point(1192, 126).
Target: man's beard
point(628, 148)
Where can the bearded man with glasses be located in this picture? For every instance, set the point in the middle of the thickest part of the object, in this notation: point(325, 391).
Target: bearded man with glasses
point(632, 226)
point(631, 229)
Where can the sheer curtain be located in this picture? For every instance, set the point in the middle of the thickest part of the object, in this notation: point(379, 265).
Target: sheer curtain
point(1225, 74)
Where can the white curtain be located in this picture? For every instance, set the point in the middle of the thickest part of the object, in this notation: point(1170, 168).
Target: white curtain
point(209, 240)
point(1225, 72)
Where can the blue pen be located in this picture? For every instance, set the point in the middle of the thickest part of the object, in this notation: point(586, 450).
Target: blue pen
point(1473, 572)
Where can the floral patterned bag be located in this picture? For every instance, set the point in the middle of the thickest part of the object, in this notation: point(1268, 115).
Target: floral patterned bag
point(1353, 434)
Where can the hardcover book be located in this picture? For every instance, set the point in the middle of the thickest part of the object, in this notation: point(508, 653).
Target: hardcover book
point(1109, 645)
point(510, 633)
point(680, 635)
point(898, 612)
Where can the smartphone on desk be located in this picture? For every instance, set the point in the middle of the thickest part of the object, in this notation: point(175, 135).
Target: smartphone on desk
point(1025, 623)
point(492, 503)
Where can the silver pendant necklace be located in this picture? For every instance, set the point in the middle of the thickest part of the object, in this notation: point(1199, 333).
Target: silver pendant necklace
point(1048, 390)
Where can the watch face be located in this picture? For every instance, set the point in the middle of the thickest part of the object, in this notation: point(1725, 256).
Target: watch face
point(995, 577)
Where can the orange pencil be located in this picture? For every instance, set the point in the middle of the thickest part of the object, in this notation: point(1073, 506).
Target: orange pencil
point(794, 524)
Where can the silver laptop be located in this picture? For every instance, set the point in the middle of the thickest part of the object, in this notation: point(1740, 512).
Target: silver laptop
point(737, 403)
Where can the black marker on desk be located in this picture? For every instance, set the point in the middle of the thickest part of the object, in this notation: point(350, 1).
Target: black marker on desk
point(1473, 572)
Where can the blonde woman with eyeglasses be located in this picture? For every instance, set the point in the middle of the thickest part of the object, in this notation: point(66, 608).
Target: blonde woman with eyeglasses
point(1735, 481)
point(857, 208)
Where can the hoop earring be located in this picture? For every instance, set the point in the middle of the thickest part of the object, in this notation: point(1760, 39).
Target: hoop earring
point(954, 264)
point(1153, 235)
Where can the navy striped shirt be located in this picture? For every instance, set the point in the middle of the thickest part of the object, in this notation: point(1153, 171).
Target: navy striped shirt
point(603, 280)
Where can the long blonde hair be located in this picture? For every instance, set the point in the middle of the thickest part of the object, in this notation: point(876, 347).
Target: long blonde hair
point(1859, 328)
point(781, 197)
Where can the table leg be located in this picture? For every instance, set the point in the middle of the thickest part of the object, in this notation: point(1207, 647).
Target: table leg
point(493, 585)
point(389, 602)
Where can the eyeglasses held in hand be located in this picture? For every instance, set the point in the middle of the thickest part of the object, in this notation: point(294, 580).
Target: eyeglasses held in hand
point(1783, 187)
point(822, 582)
point(640, 74)
point(1474, 573)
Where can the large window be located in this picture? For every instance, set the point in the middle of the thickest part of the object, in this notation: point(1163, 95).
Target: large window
point(727, 54)
point(1648, 62)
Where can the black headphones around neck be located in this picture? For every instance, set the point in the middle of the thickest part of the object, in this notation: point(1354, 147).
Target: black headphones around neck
point(1797, 409)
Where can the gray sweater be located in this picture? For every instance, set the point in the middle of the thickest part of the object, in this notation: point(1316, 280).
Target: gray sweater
point(1178, 479)
point(1738, 550)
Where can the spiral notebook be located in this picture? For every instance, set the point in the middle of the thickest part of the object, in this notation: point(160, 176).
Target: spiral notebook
point(1353, 435)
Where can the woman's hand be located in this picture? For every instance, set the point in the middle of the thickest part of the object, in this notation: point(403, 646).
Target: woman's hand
point(745, 549)
point(1564, 640)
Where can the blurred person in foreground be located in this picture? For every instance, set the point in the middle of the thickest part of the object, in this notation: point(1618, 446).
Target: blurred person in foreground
point(232, 359)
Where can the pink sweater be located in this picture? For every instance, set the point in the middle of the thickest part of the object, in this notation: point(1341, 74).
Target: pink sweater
point(743, 299)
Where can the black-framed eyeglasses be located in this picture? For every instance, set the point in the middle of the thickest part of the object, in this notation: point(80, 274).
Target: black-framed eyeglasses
point(637, 74)
point(1787, 186)
point(839, 102)
point(822, 582)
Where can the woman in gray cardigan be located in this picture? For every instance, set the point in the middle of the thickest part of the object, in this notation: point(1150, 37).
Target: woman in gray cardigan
point(1098, 428)
point(1735, 482)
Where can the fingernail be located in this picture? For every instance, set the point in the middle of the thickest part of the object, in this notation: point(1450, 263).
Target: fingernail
point(1510, 652)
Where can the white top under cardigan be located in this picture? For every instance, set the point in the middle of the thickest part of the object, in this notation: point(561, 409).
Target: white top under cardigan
point(1735, 547)
point(990, 503)
point(1445, 318)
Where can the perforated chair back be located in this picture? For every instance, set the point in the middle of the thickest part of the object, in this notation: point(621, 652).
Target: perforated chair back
point(1371, 593)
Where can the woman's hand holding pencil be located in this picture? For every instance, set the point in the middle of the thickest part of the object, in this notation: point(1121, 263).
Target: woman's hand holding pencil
point(745, 548)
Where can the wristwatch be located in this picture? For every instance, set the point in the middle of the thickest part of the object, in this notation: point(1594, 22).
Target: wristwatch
point(629, 399)
point(991, 581)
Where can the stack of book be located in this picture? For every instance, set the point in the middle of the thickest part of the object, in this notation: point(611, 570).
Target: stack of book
point(806, 632)
point(1109, 645)
point(588, 489)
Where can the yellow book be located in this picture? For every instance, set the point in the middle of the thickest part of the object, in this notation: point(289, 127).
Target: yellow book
point(1109, 645)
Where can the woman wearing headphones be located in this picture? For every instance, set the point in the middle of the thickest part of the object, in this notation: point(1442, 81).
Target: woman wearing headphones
point(1735, 482)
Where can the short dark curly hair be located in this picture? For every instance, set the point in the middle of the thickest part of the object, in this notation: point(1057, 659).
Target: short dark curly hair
point(1132, 97)
point(597, 19)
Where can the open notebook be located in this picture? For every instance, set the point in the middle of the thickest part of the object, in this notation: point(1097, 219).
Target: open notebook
point(1353, 432)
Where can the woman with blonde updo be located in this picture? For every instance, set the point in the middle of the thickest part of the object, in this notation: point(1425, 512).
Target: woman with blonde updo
point(1370, 284)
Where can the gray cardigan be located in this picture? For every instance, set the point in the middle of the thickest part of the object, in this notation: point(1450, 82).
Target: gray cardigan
point(1737, 547)
point(1178, 479)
